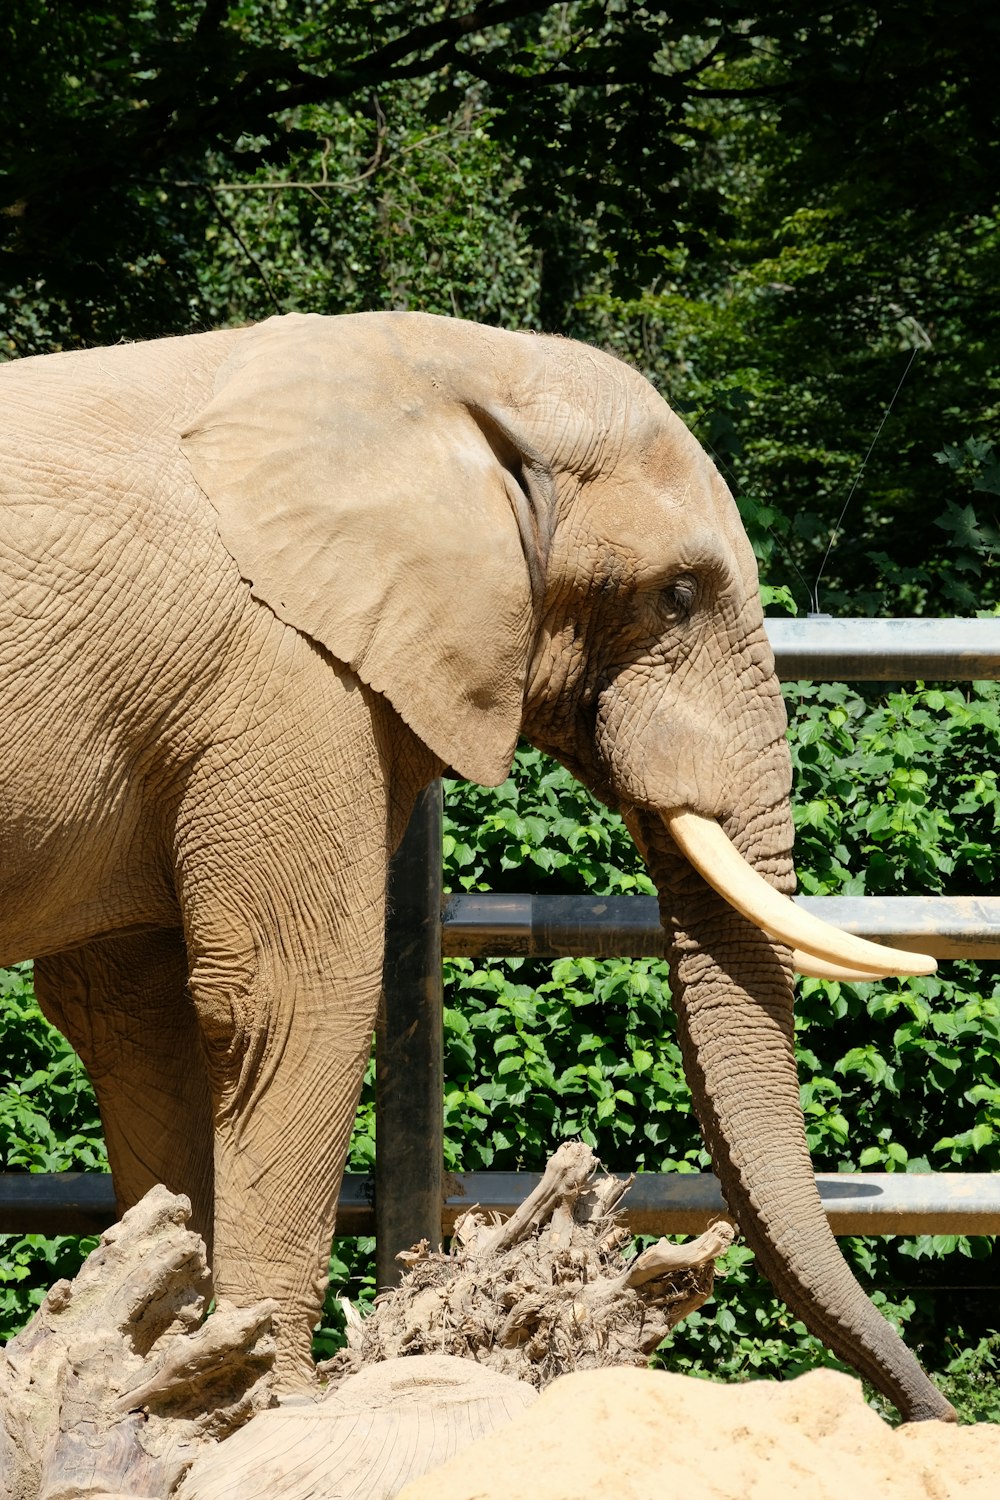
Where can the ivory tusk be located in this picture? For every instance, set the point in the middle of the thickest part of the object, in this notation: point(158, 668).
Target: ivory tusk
point(812, 967)
point(716, 859)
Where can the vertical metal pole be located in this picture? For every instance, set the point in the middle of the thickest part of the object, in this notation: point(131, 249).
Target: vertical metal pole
point(409, 1087)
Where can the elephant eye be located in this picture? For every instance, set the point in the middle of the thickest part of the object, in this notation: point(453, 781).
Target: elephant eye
point(679, 595)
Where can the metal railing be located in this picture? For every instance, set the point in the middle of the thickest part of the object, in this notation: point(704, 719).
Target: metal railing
point(410, 1197)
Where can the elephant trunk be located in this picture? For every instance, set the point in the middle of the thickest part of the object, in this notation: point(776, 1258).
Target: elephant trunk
point(733, 995)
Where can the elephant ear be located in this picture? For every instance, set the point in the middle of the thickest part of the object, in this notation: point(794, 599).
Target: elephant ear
point(366, 505)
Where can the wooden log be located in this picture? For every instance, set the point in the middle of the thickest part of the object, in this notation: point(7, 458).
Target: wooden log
point(122, 1387)
point(365, 1440)
point(517, 1302)
point(120, 1380)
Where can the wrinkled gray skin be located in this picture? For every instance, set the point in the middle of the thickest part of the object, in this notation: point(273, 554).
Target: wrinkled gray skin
point(257, 587)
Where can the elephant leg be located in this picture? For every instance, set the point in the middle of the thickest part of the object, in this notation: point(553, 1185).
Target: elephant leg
point(124, 1004)
point(287, 1018)
point(281, 881)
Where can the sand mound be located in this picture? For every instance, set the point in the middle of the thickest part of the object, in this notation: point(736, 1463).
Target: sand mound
point(632, 1434)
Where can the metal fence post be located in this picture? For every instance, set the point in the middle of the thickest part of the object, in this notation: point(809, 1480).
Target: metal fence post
point(409, 1077)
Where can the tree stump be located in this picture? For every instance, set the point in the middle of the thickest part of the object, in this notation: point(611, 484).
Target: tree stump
point(120, 1380)
point(545, 1292)
point(366, 1440)
point(121, 1386)
point(461, 1347)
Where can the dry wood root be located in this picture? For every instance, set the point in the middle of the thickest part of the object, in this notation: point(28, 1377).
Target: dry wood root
point(120, 1380)
point(543, 1293)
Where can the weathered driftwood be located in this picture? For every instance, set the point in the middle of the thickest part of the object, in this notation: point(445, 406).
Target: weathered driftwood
point(119, 1380)
point(516, 1302)
point(367, 1439)
point(545, 1292)
point(120, 1386)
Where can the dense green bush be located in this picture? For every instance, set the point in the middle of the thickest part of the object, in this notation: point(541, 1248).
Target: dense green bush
point(895, 794)
point(48, 1123)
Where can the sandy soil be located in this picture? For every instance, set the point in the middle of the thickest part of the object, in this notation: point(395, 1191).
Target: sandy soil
point(637, 1434)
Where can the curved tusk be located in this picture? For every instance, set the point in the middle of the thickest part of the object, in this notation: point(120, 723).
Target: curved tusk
point(715, 858)
point(811, 967)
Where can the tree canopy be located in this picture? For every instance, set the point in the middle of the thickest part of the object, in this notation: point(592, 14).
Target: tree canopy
point(781, 213)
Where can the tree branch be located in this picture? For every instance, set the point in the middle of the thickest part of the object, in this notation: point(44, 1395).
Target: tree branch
point(211, 18)
point(227, 223)
point(759, 91)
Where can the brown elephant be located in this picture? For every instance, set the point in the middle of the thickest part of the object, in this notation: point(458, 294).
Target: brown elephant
point(260, 586)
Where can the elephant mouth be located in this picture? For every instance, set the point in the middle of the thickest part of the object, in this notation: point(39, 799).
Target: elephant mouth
point(818, 949)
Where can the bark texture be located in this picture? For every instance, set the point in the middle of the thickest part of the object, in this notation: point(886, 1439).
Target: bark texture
point(367, 1439)
point(119, 1381)
point(120, 1386)
point(545, 1292)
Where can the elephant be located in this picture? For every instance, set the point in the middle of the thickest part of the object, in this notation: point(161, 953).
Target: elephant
point(262, 585)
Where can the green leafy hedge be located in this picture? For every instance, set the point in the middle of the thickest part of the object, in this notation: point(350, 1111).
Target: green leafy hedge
point(48, 1123)
point(897, 794)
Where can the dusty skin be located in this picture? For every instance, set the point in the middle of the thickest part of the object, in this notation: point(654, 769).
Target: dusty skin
point(632, 1434)
point(275, 579)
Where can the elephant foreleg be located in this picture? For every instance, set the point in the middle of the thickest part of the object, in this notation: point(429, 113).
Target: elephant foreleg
point(287, 1022)
point(281, 882)
point(124, 1004)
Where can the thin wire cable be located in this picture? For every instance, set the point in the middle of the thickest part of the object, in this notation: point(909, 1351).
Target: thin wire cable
point(780, 545)
point(835, 532)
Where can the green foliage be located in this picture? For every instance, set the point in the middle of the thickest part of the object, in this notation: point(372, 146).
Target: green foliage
point(540, 820)
point(785, 216)
point(48, 1118)
point(48, 1123)
point(746, 1333)
point(404, 211)
point(352, 1276)
point(896, 796)
point(582, 1050)
point(971, 1381)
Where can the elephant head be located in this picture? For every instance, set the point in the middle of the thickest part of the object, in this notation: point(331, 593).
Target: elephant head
point(506, 533)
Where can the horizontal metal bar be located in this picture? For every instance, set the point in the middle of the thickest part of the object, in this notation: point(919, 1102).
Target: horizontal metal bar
point(497, 926)
point(516, 926)
point(827, 649)
point(84, 1203)
point(657, 1203)
point(855, 1203)
point(945, 926)
point(56, 1202)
